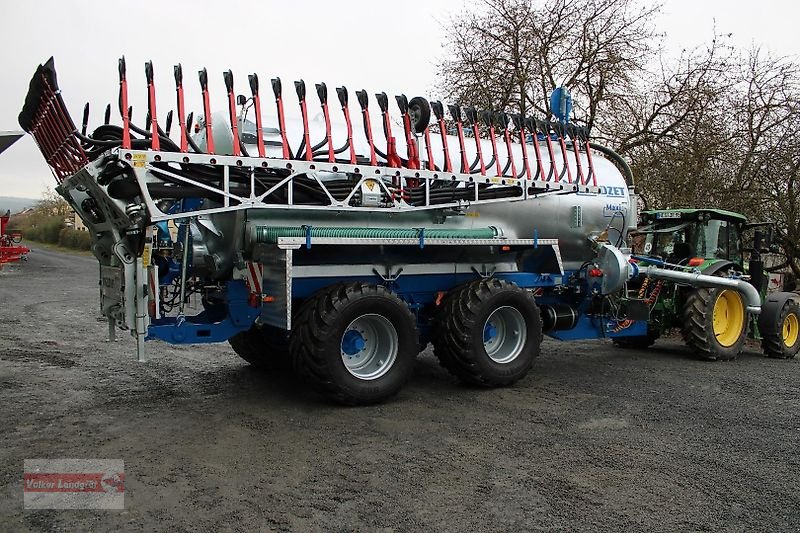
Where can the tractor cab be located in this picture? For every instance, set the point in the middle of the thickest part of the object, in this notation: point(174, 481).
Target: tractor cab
point(681, 236)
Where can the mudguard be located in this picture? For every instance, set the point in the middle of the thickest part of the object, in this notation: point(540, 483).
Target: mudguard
point(771, 311)
point(718, 266)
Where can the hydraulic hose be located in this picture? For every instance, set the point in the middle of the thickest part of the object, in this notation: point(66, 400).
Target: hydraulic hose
point(618, 160)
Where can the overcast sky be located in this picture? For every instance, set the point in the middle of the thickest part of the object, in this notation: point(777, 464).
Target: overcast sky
point(380, 46)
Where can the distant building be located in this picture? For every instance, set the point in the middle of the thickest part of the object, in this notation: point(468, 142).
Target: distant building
point(77, 223)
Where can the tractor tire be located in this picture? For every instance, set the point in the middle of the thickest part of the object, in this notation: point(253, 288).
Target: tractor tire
point(264, 347)
point(488, 333)
point(785, 343)
point(355, 343)
point(714, 323)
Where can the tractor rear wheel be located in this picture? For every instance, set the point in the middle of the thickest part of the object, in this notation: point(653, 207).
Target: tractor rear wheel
point(785, 342)
point(488, 333)
point(264, 347)
point(714, 323)
point(355, 343)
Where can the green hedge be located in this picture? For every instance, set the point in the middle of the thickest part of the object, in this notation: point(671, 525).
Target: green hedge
point(45, 230)
point(51, 230)
point(78, 240)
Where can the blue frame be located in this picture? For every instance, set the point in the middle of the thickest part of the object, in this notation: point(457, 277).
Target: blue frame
point(416, 290)
point(200, 329)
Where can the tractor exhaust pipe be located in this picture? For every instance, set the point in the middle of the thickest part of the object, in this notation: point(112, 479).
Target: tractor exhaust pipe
point(750, 294)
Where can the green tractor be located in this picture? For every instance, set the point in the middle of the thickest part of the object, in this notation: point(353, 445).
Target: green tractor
point(701, 285)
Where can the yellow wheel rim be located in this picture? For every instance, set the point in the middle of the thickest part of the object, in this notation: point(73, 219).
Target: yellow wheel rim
point(728, 320)
point(790, 326)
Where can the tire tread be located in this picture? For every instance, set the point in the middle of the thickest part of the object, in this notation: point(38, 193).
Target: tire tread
point(315, 327)
point(455, 322)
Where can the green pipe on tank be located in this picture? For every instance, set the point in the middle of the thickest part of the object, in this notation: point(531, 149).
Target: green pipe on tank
point(270, 234)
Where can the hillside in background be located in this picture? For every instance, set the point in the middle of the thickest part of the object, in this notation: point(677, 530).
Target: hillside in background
point(16, 204)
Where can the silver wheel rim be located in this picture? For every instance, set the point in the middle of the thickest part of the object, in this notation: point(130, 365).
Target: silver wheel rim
point(369, 346)
point(504, 334)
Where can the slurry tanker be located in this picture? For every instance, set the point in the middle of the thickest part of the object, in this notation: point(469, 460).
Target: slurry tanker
point(346, 240)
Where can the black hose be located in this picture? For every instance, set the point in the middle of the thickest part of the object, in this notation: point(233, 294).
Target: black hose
point(617, 160)
point(94, 141)
point(490, 163)
point(193, 145)
point(522, 170)
point(301, 148)
point(508, 165)
point(473, 167)
point(343, 148)
point(337, 151)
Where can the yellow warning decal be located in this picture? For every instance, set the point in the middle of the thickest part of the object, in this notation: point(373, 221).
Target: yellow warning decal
point(146, 254)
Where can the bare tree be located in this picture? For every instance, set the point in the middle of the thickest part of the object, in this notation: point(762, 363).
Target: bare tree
point(710, 128)
point(510, 54)
point(766, 109)
point(53, 205)
point(732, 140)
point(674, 129)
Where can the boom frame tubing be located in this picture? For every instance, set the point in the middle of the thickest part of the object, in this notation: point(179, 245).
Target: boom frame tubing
point(142, 163)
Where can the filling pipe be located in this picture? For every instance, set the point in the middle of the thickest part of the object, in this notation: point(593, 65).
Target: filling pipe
point(750, 294)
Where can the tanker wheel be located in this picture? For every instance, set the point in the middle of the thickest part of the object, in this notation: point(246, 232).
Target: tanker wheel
point(714, 323)
point(785, 343)
point(355, 343)
point(640, 342)
point(264, 347)
point(488, 333)
point(419, 111)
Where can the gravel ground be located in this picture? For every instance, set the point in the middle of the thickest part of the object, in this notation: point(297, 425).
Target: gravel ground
point(594, 439)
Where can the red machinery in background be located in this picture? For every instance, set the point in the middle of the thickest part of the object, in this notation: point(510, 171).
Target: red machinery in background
point(10, 249)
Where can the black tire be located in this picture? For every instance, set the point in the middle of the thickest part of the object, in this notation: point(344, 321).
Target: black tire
point(319, 336)
point(264, 347)
point(460, 329)
point(641, 342)
point(698, 326)
point(784, 343)
point(419, 110)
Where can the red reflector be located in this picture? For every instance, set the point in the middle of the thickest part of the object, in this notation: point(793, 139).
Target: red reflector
point(696, 261)
point(505, 248)
point(595, 273)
